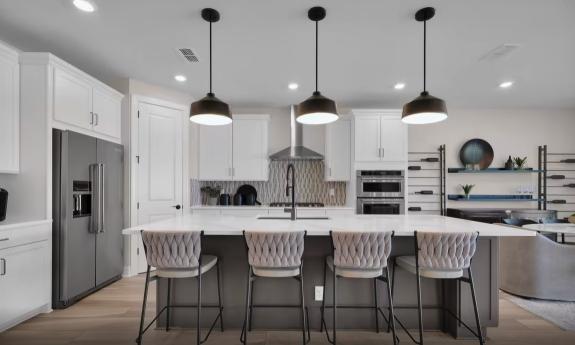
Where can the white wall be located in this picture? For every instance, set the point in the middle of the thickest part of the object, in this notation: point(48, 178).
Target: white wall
point(515, 132)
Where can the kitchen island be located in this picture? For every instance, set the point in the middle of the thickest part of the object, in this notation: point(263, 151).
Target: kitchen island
point(223, 237)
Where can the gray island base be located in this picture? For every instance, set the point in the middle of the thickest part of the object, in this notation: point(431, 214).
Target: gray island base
point(232, 253)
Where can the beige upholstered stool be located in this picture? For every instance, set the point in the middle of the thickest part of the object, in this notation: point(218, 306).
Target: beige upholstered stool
point(177, 255)
point(359, 255)
point(274, 255)
point(442, 256)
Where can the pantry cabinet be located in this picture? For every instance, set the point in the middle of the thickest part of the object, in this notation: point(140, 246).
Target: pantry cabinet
point(9, 110)
point(380, 136)
point(236, 152)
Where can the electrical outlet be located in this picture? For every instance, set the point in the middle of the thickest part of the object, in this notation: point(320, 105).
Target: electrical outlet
point(319, 293)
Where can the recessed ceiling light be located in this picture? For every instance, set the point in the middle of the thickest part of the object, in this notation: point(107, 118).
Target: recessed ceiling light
point(399, 86)
point(180, 78)
point(84, 5)
point(506, 84)
point(293, 86)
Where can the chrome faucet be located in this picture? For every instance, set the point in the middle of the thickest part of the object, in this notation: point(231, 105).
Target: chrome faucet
point(292, 210)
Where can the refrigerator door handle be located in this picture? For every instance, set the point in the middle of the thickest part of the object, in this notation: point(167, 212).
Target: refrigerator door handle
point(95, 187)
point(102, 197)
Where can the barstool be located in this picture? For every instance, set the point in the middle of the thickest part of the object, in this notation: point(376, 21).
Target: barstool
point(274, 255)
point(441, 256)
point(359, 255)
point(178, 255)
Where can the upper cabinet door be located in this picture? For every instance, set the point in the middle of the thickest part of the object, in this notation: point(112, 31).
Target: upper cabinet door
point(107, 110)
point(367, 138)
point(72, 100)
point(215, 153)
point(338, 150)
point(250, 148)
point(9, 112)
point(393, 138)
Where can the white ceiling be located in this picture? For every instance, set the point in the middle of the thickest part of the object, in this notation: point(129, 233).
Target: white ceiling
point(366, 46)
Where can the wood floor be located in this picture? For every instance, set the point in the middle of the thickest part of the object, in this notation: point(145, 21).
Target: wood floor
point(111, 317)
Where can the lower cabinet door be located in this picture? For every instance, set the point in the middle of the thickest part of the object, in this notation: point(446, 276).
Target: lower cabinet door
point(24, 281)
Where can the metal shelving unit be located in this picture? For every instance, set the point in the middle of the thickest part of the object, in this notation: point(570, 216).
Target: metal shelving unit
point(427, 182)
point(558, 182)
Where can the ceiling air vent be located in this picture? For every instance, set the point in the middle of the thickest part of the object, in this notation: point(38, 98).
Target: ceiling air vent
point(188, 54)
point(499, 52)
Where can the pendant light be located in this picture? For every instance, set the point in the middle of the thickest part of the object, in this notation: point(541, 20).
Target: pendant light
point(317, 109)
point(210, 110)
point(424, 109)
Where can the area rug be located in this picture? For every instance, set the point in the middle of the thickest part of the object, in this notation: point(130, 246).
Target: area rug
point(559, 313)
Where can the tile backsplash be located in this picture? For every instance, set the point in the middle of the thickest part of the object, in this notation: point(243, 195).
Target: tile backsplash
point(310, 185)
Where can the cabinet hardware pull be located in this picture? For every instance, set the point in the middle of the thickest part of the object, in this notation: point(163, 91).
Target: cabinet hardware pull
point(91, 118)
point(177, 207)
point(382, 152)
point(97, 119)
point(3, 266)
point(4, 239)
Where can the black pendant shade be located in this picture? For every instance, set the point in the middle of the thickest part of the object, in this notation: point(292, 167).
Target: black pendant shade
point(210, 110)
point(317, 109)
point(424, 109)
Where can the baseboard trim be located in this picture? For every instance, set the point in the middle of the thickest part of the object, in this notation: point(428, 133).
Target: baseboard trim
point(46, 308)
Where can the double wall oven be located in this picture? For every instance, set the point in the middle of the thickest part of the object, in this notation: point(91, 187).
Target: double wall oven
point(380, 192)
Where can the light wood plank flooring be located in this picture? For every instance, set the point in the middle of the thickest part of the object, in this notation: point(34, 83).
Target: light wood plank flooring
point(111, 316)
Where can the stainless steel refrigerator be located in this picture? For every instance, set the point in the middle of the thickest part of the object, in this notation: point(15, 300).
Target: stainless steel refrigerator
point(87, 216)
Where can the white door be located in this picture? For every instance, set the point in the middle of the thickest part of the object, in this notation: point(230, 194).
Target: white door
point(72, 100)
point(107, 113)
point(367, 142)
point(338, 151)
point(215, 153)
point(393, 139)
point(160, 167)
point(250, 149)
point(9, 114)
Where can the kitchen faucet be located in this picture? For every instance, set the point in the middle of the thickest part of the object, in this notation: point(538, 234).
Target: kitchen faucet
point(291, 169)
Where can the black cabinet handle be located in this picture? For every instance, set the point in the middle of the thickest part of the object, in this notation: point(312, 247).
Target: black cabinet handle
point(571, 185)
point(177, 207)
point(414, 208)
point(557, 177)
point(425, 192)
point(569, 160)
point(430, 159)
point(559, 201)
point(414, 167)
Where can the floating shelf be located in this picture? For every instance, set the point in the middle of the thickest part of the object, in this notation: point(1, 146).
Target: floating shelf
point(492, 170)
point(491, 197)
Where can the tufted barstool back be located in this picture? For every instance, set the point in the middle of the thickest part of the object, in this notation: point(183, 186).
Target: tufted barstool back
point(172, 250)
point(446, 251)
point(361, 250)
point(275, 249)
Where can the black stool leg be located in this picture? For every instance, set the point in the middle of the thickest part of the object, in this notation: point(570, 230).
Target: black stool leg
point(199, 307)
point(419, 309)
point(375, 306)
point(391, 315)
point(168, 304)
point(221, 307)
point(391, 312)
point(303, 316)
point(244, 335)
point(477, 322)
point(251, 306)
point(334, 305)
point(323, 298)
point(143, 315)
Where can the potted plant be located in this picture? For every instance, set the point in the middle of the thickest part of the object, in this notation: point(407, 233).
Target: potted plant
point(520, 162)
point(213, 195)
point(572, 218)
point(467, 189)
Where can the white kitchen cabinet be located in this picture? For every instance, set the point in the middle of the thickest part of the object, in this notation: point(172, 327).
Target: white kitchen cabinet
point(107, 113)
point(380, 136)
point(25, 273)
point(236, 152)
point(9, 110)
point(250, 148)
point(337, 162)
point(215, 156)
point(72, 100)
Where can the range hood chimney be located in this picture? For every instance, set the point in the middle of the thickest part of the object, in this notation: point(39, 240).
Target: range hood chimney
point(296, 150)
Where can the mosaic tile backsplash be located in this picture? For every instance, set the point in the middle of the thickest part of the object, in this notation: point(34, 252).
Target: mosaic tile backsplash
point(310, 185)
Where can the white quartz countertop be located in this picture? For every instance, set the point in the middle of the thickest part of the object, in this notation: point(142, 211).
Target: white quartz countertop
point(403, 225)
point(265, 207)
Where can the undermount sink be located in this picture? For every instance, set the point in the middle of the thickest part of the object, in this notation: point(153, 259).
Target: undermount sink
point(288, 218)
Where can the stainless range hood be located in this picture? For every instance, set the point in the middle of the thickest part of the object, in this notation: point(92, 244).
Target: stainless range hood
point(296, 151)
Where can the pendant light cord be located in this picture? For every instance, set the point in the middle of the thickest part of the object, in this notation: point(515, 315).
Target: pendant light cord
point(210, 57)
point(316, 55)
point(424, 55)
